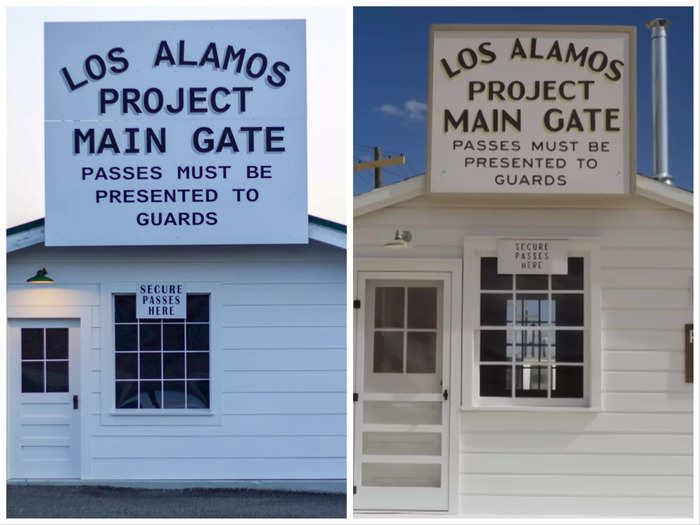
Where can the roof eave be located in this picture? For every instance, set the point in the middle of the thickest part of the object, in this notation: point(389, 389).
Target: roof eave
point(321, 230)
point(416, 187)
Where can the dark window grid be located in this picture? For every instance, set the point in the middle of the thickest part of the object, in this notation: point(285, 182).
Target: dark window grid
point(510, 309)
point(548, 362)
point(511, 325)
point(138, 379)
point(404, 330)
point(44, 360)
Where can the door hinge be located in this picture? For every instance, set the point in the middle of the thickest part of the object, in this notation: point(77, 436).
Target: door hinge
point(75, 402)
point(355, 397)
point(354, 489)
point(356, 304)
point(445, 395)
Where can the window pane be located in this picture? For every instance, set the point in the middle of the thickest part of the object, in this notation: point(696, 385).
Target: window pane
point(150, 394)
point(173, 394)
point(198, 307)
point(495, 380)
point(126, 394)
point(388, 352)
point(388, 307)
point(567, 309)
point(569, 346)
point(531, 309)
point(197, 337)
point(150, 365)
point(532, 345)
point(198, 365)
point(422, 308)
point(150, 336)
point(531, 282)
point(197, 394)
point(32, 377)
point(573, 280)
point(57, 343)
point(32, 343)
point(174, 365)
point(125, 308)
point(126, 366)
point(57, 376)
point(567, 381)
point(493, 346)
point(173, 336)
point(490, 279)
point(530, 381)
point(126, 337)
point(494, 309)
point(421, 352)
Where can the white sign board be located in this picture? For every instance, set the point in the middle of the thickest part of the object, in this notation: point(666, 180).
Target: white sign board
point(161, 300)
point(182, 132)
point(532, 109)
point(533, 256)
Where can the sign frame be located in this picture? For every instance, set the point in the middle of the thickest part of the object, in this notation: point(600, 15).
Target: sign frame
point(230, 94)
point(630, 96)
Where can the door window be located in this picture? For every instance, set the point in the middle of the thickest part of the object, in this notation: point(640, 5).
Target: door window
point(44, 355)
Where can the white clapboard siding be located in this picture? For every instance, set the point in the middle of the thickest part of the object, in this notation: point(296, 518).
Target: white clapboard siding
point(577, 442)
point(278, 344)
point(576, 464)
point(576, 505)
point(605, 422)
point(634, 457)
point(581, 484)
point(224, 467)
point(286, 359)
point(651, 360)
point(284, 403)
point(641, 318)
point(647, 278)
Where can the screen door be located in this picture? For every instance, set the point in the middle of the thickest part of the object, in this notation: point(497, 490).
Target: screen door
point(402, 408)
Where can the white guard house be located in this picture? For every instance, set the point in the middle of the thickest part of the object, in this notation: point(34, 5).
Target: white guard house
point(248, 384)
point(481, 392)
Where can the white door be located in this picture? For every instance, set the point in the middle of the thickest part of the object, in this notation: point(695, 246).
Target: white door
point(44, 418)
point(402, 406)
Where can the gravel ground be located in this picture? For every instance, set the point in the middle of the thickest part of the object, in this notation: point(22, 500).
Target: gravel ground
point(49, 501)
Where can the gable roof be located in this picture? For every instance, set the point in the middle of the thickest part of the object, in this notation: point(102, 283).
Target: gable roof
point(322, 230)
point(417, 186)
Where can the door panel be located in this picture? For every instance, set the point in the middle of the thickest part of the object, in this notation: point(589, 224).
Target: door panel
point(43, 376)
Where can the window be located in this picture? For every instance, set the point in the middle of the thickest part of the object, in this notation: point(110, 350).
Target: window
point(44, 359)
point(161, 363)
point(531, 334)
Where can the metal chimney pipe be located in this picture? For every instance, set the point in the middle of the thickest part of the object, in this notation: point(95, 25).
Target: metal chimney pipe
point(660, 99)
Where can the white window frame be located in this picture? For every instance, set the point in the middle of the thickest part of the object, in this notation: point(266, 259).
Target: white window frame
point(109, 414)
point(477, 247)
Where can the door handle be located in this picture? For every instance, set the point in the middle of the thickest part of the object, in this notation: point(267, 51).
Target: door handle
point(75, 402)
point(444, 395)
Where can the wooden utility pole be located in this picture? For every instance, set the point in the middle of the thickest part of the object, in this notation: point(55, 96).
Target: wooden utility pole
point(378, 163)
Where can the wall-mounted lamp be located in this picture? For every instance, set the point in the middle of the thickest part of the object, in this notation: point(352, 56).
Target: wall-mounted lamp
point(40, 277)
point(401, 239)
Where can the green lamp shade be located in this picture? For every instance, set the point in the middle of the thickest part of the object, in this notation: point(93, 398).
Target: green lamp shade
point(40, 277)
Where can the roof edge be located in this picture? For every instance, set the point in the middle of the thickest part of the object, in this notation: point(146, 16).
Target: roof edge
point(416, 186)
point(32, 232)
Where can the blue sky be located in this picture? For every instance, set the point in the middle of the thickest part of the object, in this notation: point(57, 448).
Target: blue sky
point(391, 83)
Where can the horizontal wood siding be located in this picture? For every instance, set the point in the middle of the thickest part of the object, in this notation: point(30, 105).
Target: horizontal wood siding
point(279, 351)
point(634, 458)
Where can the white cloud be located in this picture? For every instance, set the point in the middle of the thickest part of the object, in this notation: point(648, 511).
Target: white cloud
point(411, 110)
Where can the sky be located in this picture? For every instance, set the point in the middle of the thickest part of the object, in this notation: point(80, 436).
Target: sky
point(327, 82)
point(391, 64)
